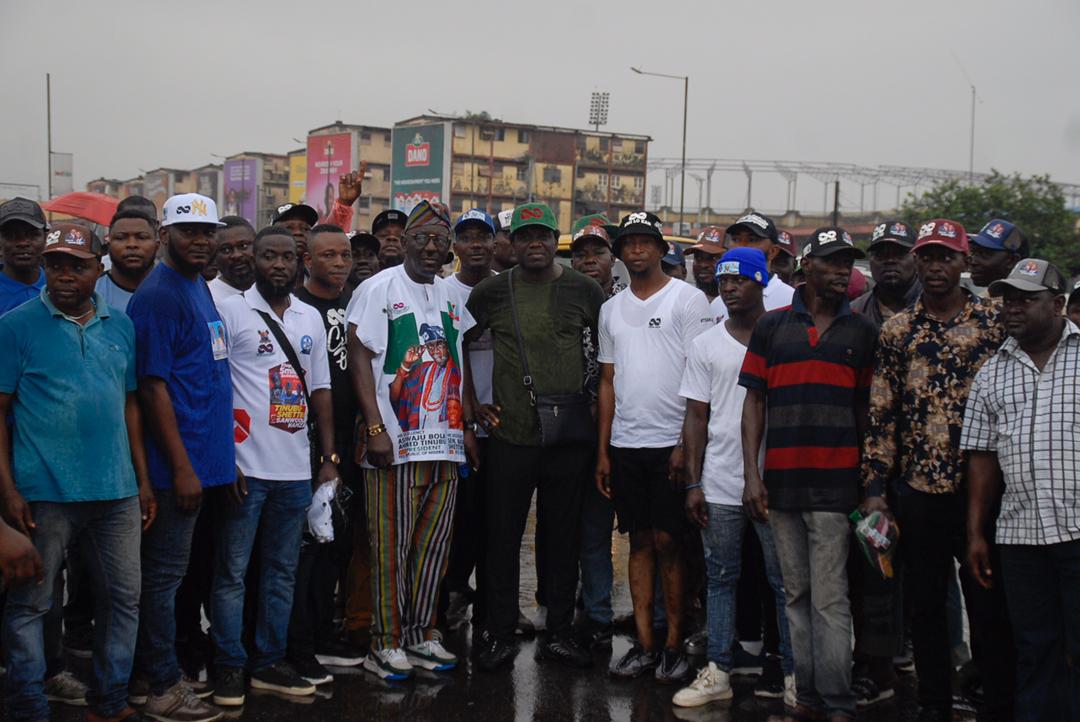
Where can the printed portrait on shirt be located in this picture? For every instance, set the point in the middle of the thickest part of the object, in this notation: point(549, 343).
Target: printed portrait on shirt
point(288, 408)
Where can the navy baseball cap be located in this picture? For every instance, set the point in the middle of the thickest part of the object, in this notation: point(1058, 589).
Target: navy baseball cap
point(389, 217)
point(749, 262)
point(1000, 235)
point(475, 216)
point(673, 257)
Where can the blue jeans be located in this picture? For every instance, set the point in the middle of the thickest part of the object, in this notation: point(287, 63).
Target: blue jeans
point(597, 576)
point(166, 547)
point(1042, 586)
point(722, 540)
point(280, 509)
point(108, 533)
point(813, 550)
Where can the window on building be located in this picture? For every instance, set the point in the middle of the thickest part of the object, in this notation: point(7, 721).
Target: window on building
point(364, 203)
point(580, 172)
point(604, 144)
point(616, 181)
point(365, 137)
point(456, 205)
point(639, 146)
point(552, 175)
point(387, 137)
point(639, 182)
point(522, 172)
point(457, 168)
point(523, 136)
point(602, 180)
point(500, 133)
point(459, 131)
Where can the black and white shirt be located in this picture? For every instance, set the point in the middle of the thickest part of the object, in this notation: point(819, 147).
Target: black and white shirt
point(1032, 420)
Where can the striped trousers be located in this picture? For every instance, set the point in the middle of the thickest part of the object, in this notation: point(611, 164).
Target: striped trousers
point(410, 516)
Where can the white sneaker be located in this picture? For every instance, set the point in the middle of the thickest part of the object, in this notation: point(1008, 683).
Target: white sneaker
point(431, 655)
point(711, 684)
point(790, 697)
point(389, 664)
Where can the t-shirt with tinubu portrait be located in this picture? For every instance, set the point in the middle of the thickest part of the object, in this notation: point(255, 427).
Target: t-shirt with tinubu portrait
point(415, 331)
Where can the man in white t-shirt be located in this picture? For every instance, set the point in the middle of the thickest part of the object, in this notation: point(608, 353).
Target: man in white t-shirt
point(645, 334)
point(712, 432)
point(406, 327)
point(756, 230)
point(474, 246)
point(234, 259)
point(274, 488)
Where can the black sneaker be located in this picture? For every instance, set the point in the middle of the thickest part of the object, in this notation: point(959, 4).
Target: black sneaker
point(229, 687)
point(635, 663)
point(338, 654)
point(770, 684)
point(481, 640)
point(565, 649)
point(495, 654)
point(310, 669)
point(593, 634)
point(745, 664)
point(281, 677)
point(674, 667)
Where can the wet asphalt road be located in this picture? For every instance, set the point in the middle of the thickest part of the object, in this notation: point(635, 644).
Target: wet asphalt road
point(530, 690)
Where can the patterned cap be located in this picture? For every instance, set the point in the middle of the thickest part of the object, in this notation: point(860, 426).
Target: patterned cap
point(428, 213)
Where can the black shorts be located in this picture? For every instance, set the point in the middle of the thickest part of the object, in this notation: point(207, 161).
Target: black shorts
point(644, 498)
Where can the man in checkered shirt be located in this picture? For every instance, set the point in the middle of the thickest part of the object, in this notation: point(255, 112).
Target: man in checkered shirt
point(1022, 432)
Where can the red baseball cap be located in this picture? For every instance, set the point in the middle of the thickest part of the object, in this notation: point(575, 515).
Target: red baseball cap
point(710, 242)
point(942, 232)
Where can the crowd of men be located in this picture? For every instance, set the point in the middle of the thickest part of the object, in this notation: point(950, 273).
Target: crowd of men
point(277, 428)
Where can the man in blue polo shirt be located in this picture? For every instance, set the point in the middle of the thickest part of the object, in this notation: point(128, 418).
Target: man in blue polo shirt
point(186, 395)
point(68, 375)
point(22, 238)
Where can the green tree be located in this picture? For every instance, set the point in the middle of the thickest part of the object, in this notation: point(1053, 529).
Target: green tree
point(1034, 204)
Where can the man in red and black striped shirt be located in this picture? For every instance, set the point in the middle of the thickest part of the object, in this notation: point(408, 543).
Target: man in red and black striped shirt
point(808, 370)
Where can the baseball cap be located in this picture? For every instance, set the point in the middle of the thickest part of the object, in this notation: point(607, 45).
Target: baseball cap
point(673, 257)
point(786, 243)
point(190, 208)
point(74, 240)
point(829, 240)
point(297, 210)
point(1000, 235)
point(475, 216)
point(23, 209)
point(533, 214)
point(892, 231)
point(389, 217)
point(366, 240)
point(590, 231)
point(1032, 274)
point(502, 220)
point(943, 232)
point(595, 219)
point(760, 225)
point(710, 241)
point(749, 262)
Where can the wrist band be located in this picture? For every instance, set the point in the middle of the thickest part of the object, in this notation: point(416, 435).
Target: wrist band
point(688, 487)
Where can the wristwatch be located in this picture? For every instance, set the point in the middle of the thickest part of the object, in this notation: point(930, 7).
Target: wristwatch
point(471, 426)
point(333, 459)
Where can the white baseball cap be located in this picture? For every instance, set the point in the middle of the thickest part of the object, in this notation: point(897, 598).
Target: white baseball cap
point(190, 208)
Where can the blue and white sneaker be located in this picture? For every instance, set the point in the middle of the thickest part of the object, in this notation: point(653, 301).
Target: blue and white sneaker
point(431, 655)
point(389, 664)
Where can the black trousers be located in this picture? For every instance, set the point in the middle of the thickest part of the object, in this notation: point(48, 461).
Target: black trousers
point(470, 540)
point(933, 535)
point(559, 475)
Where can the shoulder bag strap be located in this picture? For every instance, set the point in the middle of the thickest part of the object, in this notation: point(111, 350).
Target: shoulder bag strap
point(526, 380)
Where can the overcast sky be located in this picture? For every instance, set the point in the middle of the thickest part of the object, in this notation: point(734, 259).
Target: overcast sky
point(142, 84)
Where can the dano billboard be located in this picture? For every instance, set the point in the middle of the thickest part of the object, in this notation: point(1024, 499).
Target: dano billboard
point(328, 158)
point(420, 165)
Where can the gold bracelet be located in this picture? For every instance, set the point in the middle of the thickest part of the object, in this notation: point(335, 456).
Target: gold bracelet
point(376, 430)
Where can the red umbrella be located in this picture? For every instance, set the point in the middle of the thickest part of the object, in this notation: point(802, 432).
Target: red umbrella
point(96, 207)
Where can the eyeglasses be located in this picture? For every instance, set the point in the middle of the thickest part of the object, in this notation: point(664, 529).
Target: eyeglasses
point(421, 240)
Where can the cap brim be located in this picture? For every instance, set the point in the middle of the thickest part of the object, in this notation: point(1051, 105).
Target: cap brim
point(216, 224)
point(533, 223)
point(998, 287)
point(702, 247)
point(86, 255)
point(895, 241)
point(788, 250)
point(477, 221)
point(581, 239)
point(915, 248)
point(35, 222)
point(759, 232)
point(840, 248)
point(983, 242)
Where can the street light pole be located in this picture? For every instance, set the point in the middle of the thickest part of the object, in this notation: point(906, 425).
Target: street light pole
point(686, 105)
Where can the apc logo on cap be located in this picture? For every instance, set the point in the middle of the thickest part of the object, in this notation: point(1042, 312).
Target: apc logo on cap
point(418, 152)
point(898, 229)
point(995, 231)
point(947, 230)
point(75, 238)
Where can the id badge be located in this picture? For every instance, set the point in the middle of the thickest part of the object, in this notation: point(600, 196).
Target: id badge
point(217, 340)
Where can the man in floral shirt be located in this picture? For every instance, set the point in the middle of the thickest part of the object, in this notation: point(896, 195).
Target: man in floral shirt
point(927, 358)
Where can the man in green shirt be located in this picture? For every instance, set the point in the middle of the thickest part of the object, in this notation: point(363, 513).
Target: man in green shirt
point(555, 305)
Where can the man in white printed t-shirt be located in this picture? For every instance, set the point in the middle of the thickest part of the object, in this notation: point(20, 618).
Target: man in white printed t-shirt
point(406, 327)
point(712, 432)
point(645, 334)
point(274, 488)
point(756, 230)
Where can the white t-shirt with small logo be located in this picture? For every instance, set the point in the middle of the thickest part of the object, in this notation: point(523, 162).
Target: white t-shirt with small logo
point(220, 290)
point(648, 342)
point(712, 377)
point(269, 409)
point(776, 295)
point(481, 352)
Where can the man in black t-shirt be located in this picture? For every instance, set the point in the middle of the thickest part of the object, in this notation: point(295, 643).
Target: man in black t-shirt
point(312, 641)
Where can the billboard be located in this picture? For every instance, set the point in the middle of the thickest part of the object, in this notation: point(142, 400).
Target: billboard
point(62, 178)
point(241, 188)
point(420, 166)
point(297, 177)
point(158, 187)
point(328, 158)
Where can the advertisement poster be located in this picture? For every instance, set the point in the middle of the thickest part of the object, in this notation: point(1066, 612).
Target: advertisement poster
point(297, 177)
point(157, 188)
point(62, 176)
point(420, 167)
point(241, 188)
point(328, 158)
